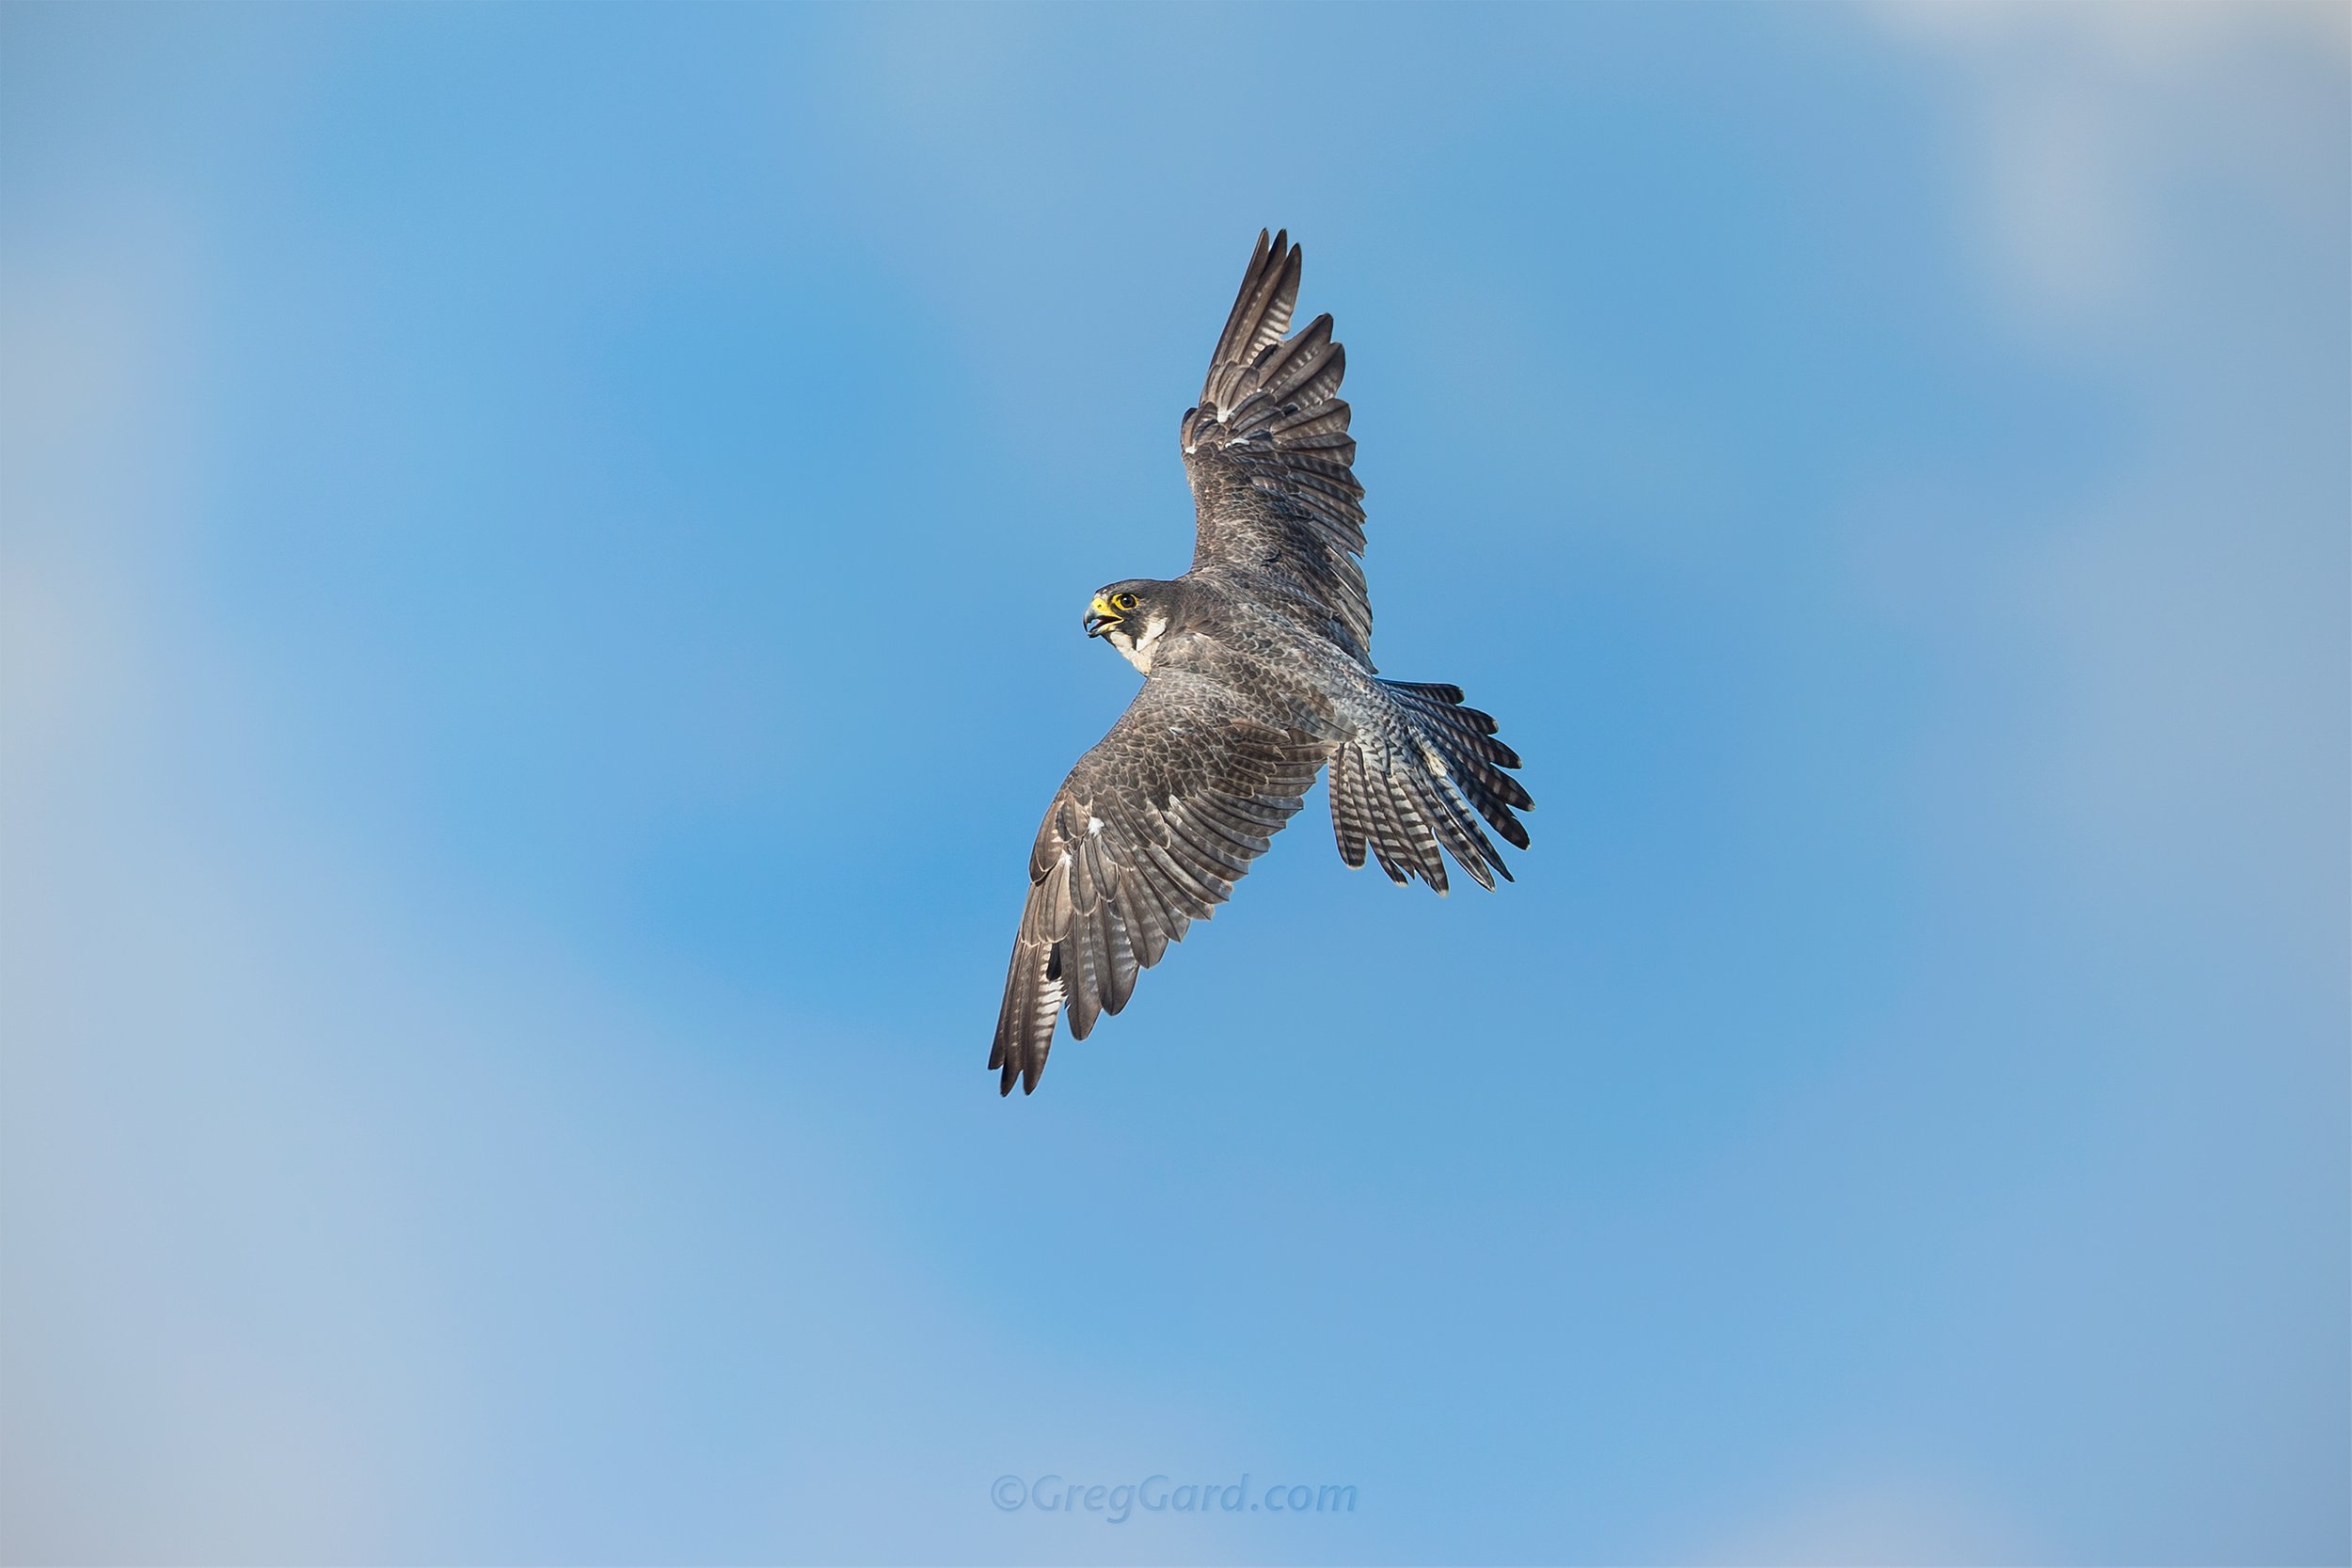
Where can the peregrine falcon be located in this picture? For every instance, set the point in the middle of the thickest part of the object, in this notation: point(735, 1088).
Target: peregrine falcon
point(1257, 672)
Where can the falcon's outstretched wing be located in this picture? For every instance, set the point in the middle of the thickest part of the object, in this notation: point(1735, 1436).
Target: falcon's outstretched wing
point(1149, 833)
point(1268, 453)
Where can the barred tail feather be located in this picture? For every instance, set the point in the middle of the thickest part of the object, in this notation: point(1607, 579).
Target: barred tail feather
point(1422, 781)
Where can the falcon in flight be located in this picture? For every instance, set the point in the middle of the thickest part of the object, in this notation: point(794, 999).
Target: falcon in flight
point(1258, 672)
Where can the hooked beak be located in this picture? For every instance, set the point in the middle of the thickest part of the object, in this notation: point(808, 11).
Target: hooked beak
point(1101, 617)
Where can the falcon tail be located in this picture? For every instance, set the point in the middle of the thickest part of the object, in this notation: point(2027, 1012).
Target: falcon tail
point(1423, 781)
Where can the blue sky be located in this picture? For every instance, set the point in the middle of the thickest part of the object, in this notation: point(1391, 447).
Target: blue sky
point(543, 554)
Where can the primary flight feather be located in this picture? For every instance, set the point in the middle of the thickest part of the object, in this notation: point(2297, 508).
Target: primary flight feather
point(1257, 672)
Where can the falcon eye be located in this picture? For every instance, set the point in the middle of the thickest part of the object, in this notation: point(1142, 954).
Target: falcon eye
point(1124, 602)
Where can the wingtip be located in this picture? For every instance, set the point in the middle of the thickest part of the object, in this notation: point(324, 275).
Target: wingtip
point(1014, 1066)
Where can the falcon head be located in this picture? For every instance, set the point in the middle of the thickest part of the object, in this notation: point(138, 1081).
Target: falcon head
point(1131, 616)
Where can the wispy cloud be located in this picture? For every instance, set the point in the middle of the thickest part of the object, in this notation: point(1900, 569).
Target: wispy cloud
point(2084, 121)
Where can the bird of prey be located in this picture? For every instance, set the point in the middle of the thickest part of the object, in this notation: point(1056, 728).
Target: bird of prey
point(1257, 672)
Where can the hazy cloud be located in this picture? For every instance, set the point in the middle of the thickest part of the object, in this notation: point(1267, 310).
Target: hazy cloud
point(2083, 119)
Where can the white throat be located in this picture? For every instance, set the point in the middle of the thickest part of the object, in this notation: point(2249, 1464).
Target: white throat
point(1137, 651)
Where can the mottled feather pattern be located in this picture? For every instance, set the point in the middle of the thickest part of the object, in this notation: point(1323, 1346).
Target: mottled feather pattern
point(1268, 454)
point(1142, 839)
